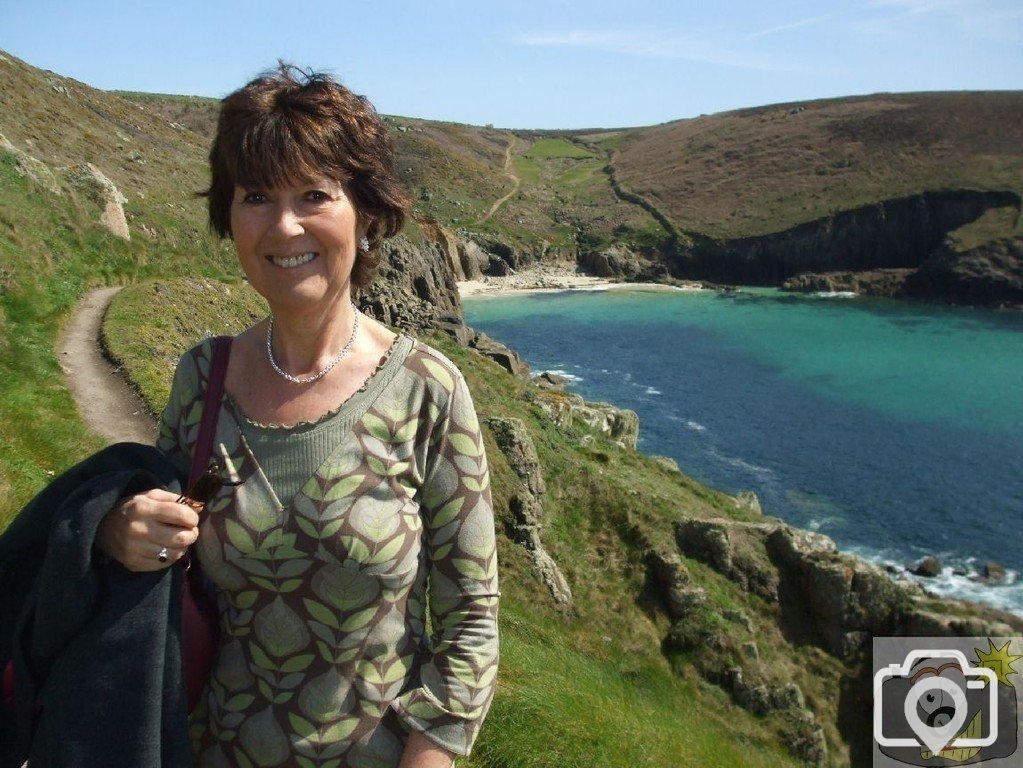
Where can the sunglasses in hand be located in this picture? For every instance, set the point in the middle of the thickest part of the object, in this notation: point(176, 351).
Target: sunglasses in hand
point(205, 488)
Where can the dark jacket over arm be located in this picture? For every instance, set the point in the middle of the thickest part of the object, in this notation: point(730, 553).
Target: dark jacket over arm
point(96, 648)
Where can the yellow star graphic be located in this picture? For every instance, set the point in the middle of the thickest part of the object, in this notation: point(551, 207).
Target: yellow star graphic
point(998, 660)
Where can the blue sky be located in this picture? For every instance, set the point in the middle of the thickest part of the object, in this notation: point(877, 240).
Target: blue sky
point(524, 64)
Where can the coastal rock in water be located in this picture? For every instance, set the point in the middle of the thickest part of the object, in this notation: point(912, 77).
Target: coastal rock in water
point(501, 355)
point(929, 567)
point(993, 573)
point(875, 282)
point(415, 285)
point(101, 190)
point(552, 381)
point(991, 275)
point(513, 439)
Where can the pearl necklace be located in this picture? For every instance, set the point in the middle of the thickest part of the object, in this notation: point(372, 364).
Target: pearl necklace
point(321, 373)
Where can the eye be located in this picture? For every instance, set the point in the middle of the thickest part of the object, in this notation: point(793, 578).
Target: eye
point(253, 197)
point(318, 196)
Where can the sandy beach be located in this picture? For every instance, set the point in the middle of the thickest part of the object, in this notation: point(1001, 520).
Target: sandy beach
point(536, 279)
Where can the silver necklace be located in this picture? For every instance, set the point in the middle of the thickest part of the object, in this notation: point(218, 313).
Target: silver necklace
point(324, 371)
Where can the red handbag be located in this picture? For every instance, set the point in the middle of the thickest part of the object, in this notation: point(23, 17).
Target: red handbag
point(200, 620)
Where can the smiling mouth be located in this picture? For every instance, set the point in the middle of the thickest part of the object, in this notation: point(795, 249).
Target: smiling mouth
point(959, 754)
point(288, 262)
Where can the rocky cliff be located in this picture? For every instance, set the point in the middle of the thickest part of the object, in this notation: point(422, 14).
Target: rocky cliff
point(415, 285)
point(898, 233)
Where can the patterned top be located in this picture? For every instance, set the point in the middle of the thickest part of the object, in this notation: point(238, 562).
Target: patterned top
point(326, 658)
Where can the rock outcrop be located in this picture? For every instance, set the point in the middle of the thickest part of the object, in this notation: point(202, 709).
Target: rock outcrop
point(614, 261)
point(97, 187)
point(26, 165)
point(619, 424)
point(875, 282)
point(527, 510)
point(500, 354)
point(990, 275)
point(415, 285)
point(833, 600)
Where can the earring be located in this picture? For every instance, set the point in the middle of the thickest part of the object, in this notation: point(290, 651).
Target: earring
point(364, 244)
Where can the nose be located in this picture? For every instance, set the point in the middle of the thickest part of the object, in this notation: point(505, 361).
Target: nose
point(287, 221)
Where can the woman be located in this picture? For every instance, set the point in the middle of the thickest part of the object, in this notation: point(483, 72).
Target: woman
point(364, 492)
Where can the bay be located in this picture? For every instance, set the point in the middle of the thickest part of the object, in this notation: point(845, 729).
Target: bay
point(895, 428)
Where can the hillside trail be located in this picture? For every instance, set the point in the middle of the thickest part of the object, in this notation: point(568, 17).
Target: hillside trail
point(509, 171)
point(108, 406)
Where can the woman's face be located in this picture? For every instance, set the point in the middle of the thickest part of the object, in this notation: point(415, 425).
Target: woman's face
point(297, 243)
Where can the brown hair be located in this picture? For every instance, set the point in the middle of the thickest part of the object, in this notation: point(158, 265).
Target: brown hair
point(288, 126)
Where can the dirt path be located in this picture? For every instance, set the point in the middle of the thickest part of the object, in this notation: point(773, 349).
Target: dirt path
point(509, 171)
point(109, 407)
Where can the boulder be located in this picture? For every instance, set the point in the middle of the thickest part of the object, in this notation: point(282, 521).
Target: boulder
point(472, 260)
point(97, 187)
point(548, 380)
point(26, 165)
point(614, 261)
point(929, 567)
point(748, 500)
point(619, 424)
point(993, 573)
point(501, 355)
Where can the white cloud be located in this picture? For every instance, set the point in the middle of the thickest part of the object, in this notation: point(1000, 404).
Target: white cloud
point(984, 19)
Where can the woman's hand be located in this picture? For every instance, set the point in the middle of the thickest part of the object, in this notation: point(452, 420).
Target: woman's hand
point(420, 752)
point(139, 527)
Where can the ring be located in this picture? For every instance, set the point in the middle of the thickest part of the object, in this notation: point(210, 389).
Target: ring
point(162, 555)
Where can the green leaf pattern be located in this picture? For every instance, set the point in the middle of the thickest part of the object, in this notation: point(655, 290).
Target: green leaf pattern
point(323, 603)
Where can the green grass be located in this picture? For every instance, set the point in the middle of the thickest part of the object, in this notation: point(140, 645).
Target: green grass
point(556, 706)
point(547, 149)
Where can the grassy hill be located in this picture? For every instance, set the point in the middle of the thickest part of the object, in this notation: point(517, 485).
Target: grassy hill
point(731, 175)
point(596, 686)
point(756, 171)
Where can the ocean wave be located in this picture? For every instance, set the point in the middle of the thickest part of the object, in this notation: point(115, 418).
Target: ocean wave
point(652, 391)
point(959, 579)
point(834, 294)
point(737, 463)
point(572, 378)
point(695, 426)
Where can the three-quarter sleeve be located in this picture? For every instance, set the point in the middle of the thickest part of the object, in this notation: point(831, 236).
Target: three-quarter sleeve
point(457, 674)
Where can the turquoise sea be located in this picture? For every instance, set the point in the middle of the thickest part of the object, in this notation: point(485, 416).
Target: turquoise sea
point(894, 428)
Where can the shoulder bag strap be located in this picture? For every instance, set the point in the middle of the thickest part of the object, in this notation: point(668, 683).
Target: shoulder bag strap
point(210, 408)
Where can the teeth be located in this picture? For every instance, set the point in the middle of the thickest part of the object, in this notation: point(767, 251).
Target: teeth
point(293, 261)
